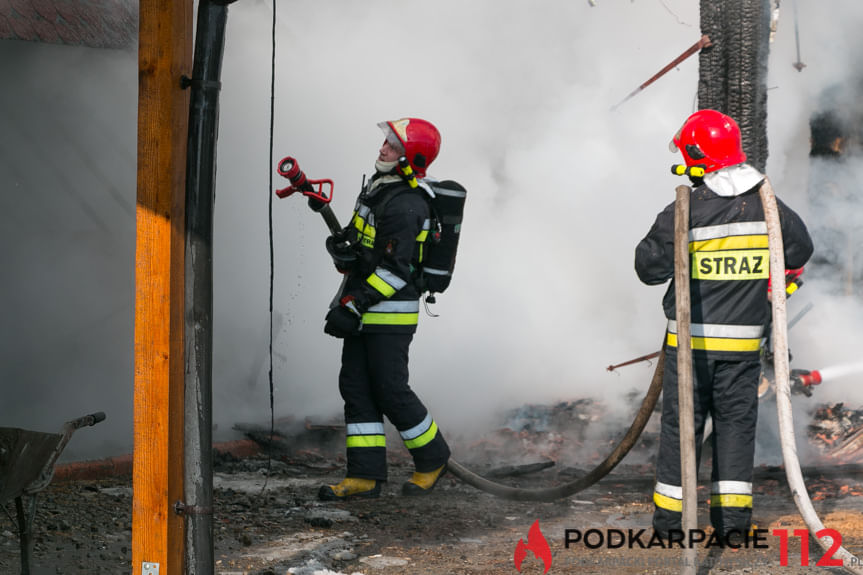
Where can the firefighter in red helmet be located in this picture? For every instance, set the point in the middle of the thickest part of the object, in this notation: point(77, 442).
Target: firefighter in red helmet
point(418, 140)
point(729, 274)
point(376, 313)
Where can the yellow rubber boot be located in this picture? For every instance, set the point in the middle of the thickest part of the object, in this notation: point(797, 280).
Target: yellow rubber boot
point(350, 487)
point(423, 483)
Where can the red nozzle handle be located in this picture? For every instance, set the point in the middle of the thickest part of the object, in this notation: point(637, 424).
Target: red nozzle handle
point(290, 169)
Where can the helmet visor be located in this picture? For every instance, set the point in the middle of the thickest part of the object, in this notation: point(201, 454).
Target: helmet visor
point(391, 137)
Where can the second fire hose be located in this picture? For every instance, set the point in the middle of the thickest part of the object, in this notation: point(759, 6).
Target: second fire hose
point(783, 390)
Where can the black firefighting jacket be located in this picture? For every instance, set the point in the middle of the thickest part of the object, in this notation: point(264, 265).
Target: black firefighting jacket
point(390, 225)
point(729, 269)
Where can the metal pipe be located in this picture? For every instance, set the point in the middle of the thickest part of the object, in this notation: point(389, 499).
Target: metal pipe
point(685, 409)
point(703, 42)
point(783, 386)
point(197, 506)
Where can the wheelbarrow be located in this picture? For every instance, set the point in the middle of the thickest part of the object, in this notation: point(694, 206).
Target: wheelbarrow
point(27, 461)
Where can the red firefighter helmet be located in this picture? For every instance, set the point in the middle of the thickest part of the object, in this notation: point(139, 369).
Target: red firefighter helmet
point(419, 138)
point(710, 139)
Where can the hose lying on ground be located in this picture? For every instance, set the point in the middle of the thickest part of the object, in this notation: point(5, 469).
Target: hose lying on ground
point(600, 471)
point(783, 389)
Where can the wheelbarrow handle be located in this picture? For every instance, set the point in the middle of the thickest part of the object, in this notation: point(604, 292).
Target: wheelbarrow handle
point(68, 429)
point(87, 420)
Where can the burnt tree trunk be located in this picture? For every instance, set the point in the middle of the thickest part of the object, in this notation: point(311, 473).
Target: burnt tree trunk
point(732, 75)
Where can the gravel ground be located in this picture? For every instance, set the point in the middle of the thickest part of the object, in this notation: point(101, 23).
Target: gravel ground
point(85, 527)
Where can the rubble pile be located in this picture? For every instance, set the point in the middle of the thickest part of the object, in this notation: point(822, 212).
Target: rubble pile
point(571, 435)
point(836, 431)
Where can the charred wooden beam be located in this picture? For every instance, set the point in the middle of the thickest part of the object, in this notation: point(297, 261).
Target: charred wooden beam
point(733, 70)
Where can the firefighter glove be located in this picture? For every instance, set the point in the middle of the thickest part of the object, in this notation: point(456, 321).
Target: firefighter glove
point(344, 320)
point(799, 382)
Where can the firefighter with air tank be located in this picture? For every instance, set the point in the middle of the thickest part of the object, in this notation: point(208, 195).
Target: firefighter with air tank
point(391, 252)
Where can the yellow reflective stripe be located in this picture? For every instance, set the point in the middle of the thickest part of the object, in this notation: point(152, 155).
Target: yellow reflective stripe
point(729, 243)
point(718, 343)
point(423, 439)
point(366, 233)
point(422, 236)
point(376, 282)
point(367, 440)
point(730, 500)
point(371, 318)
point(665, 502)
point(731, 265)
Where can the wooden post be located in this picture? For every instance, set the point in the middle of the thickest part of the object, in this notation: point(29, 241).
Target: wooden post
point(686, 410)
point(164, 55)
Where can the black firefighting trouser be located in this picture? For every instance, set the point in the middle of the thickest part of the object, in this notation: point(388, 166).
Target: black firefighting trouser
point(373, 382)
point(728, 392)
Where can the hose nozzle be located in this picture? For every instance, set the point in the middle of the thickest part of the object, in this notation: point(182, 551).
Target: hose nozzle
point(806, 378)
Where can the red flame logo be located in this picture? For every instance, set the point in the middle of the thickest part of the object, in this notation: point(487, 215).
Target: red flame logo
point(535, 542)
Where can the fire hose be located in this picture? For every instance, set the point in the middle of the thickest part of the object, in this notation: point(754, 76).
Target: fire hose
point(620, 450)
point(685, 401)
point(582, 483)
point(783, 391)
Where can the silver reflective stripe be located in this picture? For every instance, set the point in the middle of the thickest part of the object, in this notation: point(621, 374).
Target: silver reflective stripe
point(374, 428)
point(725, 230)
point(673, 491)
point(363, 211)
point(720, 330)
point(435, 272)
point(451, 193)
point(736, 487)
point(392, 279)
point(410, 306)
point(417, 430)
point(427, 224)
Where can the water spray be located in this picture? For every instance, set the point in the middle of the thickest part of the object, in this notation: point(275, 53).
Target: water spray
point(838, 371)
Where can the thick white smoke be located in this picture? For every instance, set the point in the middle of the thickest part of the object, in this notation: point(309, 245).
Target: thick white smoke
point(560, 191)
point(560, 188)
